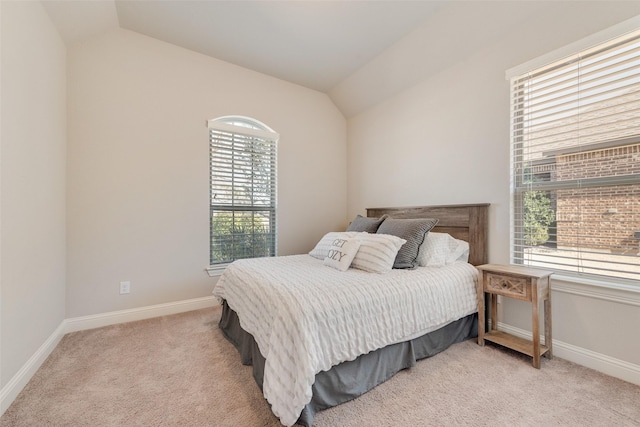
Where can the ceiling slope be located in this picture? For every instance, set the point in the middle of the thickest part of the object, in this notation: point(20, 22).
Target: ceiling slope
point(455, 32)
point(315, 44)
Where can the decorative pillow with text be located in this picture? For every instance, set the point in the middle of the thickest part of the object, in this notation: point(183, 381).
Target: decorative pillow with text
point(321, 250)
point(341, 253)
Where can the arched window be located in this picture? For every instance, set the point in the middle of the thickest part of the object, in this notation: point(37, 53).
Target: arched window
point(242, 158)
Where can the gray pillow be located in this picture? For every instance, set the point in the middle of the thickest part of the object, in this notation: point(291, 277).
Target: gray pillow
point(370, 225)
point(414, 232)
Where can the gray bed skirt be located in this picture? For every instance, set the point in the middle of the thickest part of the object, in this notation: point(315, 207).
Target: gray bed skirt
point(349, 380)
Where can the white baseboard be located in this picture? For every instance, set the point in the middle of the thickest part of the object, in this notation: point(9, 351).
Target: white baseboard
point(597, 361)
point(114, 317)
point(10, 391)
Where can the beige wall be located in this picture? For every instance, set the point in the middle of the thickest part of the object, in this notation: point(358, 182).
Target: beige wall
point(446, 140)
point(138, 167)
point(32, 208)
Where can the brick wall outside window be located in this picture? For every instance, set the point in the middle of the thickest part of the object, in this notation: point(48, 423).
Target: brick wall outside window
point(599, 217)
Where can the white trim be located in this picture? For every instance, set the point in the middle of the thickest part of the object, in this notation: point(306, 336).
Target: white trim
point(216, 270)
point(10, 391)
point(239, 130)
point(577, 46)
point(141, 313)
point(597, 361)
point(607, 291)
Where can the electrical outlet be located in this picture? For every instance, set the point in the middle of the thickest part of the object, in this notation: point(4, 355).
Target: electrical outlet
point(125, 287)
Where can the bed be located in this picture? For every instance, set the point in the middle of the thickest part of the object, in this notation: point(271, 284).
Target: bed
point(317, 336)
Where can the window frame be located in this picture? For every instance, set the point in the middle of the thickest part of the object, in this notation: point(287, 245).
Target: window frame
point(568, 279)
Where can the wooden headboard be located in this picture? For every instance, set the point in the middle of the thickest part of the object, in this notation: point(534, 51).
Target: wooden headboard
point(464, 222)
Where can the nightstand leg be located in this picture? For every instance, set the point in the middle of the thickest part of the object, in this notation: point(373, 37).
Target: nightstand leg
point(494, 312)
point(481, 319)
point(535, 326)
point(548, 340)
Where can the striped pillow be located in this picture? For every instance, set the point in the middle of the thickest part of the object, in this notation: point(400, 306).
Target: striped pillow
point(377, 252)
point(411, 230)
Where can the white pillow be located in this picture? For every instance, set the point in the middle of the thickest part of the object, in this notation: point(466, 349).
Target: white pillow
point(377, 252)
point(321, 250)
point(461, 253)
point(341, 253)
point(439, 249)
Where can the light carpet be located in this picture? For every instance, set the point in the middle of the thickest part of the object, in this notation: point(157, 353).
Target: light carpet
point(180, 371)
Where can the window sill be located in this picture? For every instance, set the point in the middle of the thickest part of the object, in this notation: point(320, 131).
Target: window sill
point(216, 270)
point(600, 289)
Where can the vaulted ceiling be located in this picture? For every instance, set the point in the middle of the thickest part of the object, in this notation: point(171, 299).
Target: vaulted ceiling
point(358, 52)
point(315, 44)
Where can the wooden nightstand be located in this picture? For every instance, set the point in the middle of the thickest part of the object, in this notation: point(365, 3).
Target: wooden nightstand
point(523, 283)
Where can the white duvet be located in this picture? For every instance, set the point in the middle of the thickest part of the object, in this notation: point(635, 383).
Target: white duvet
point(307, 317)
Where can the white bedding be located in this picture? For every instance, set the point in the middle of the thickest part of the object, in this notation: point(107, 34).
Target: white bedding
point(307, 317)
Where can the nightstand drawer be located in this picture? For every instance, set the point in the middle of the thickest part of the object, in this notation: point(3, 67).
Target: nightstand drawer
point(515, 287)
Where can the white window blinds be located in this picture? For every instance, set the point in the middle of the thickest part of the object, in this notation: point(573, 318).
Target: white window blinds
point(575, 145)
point(243, 189)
